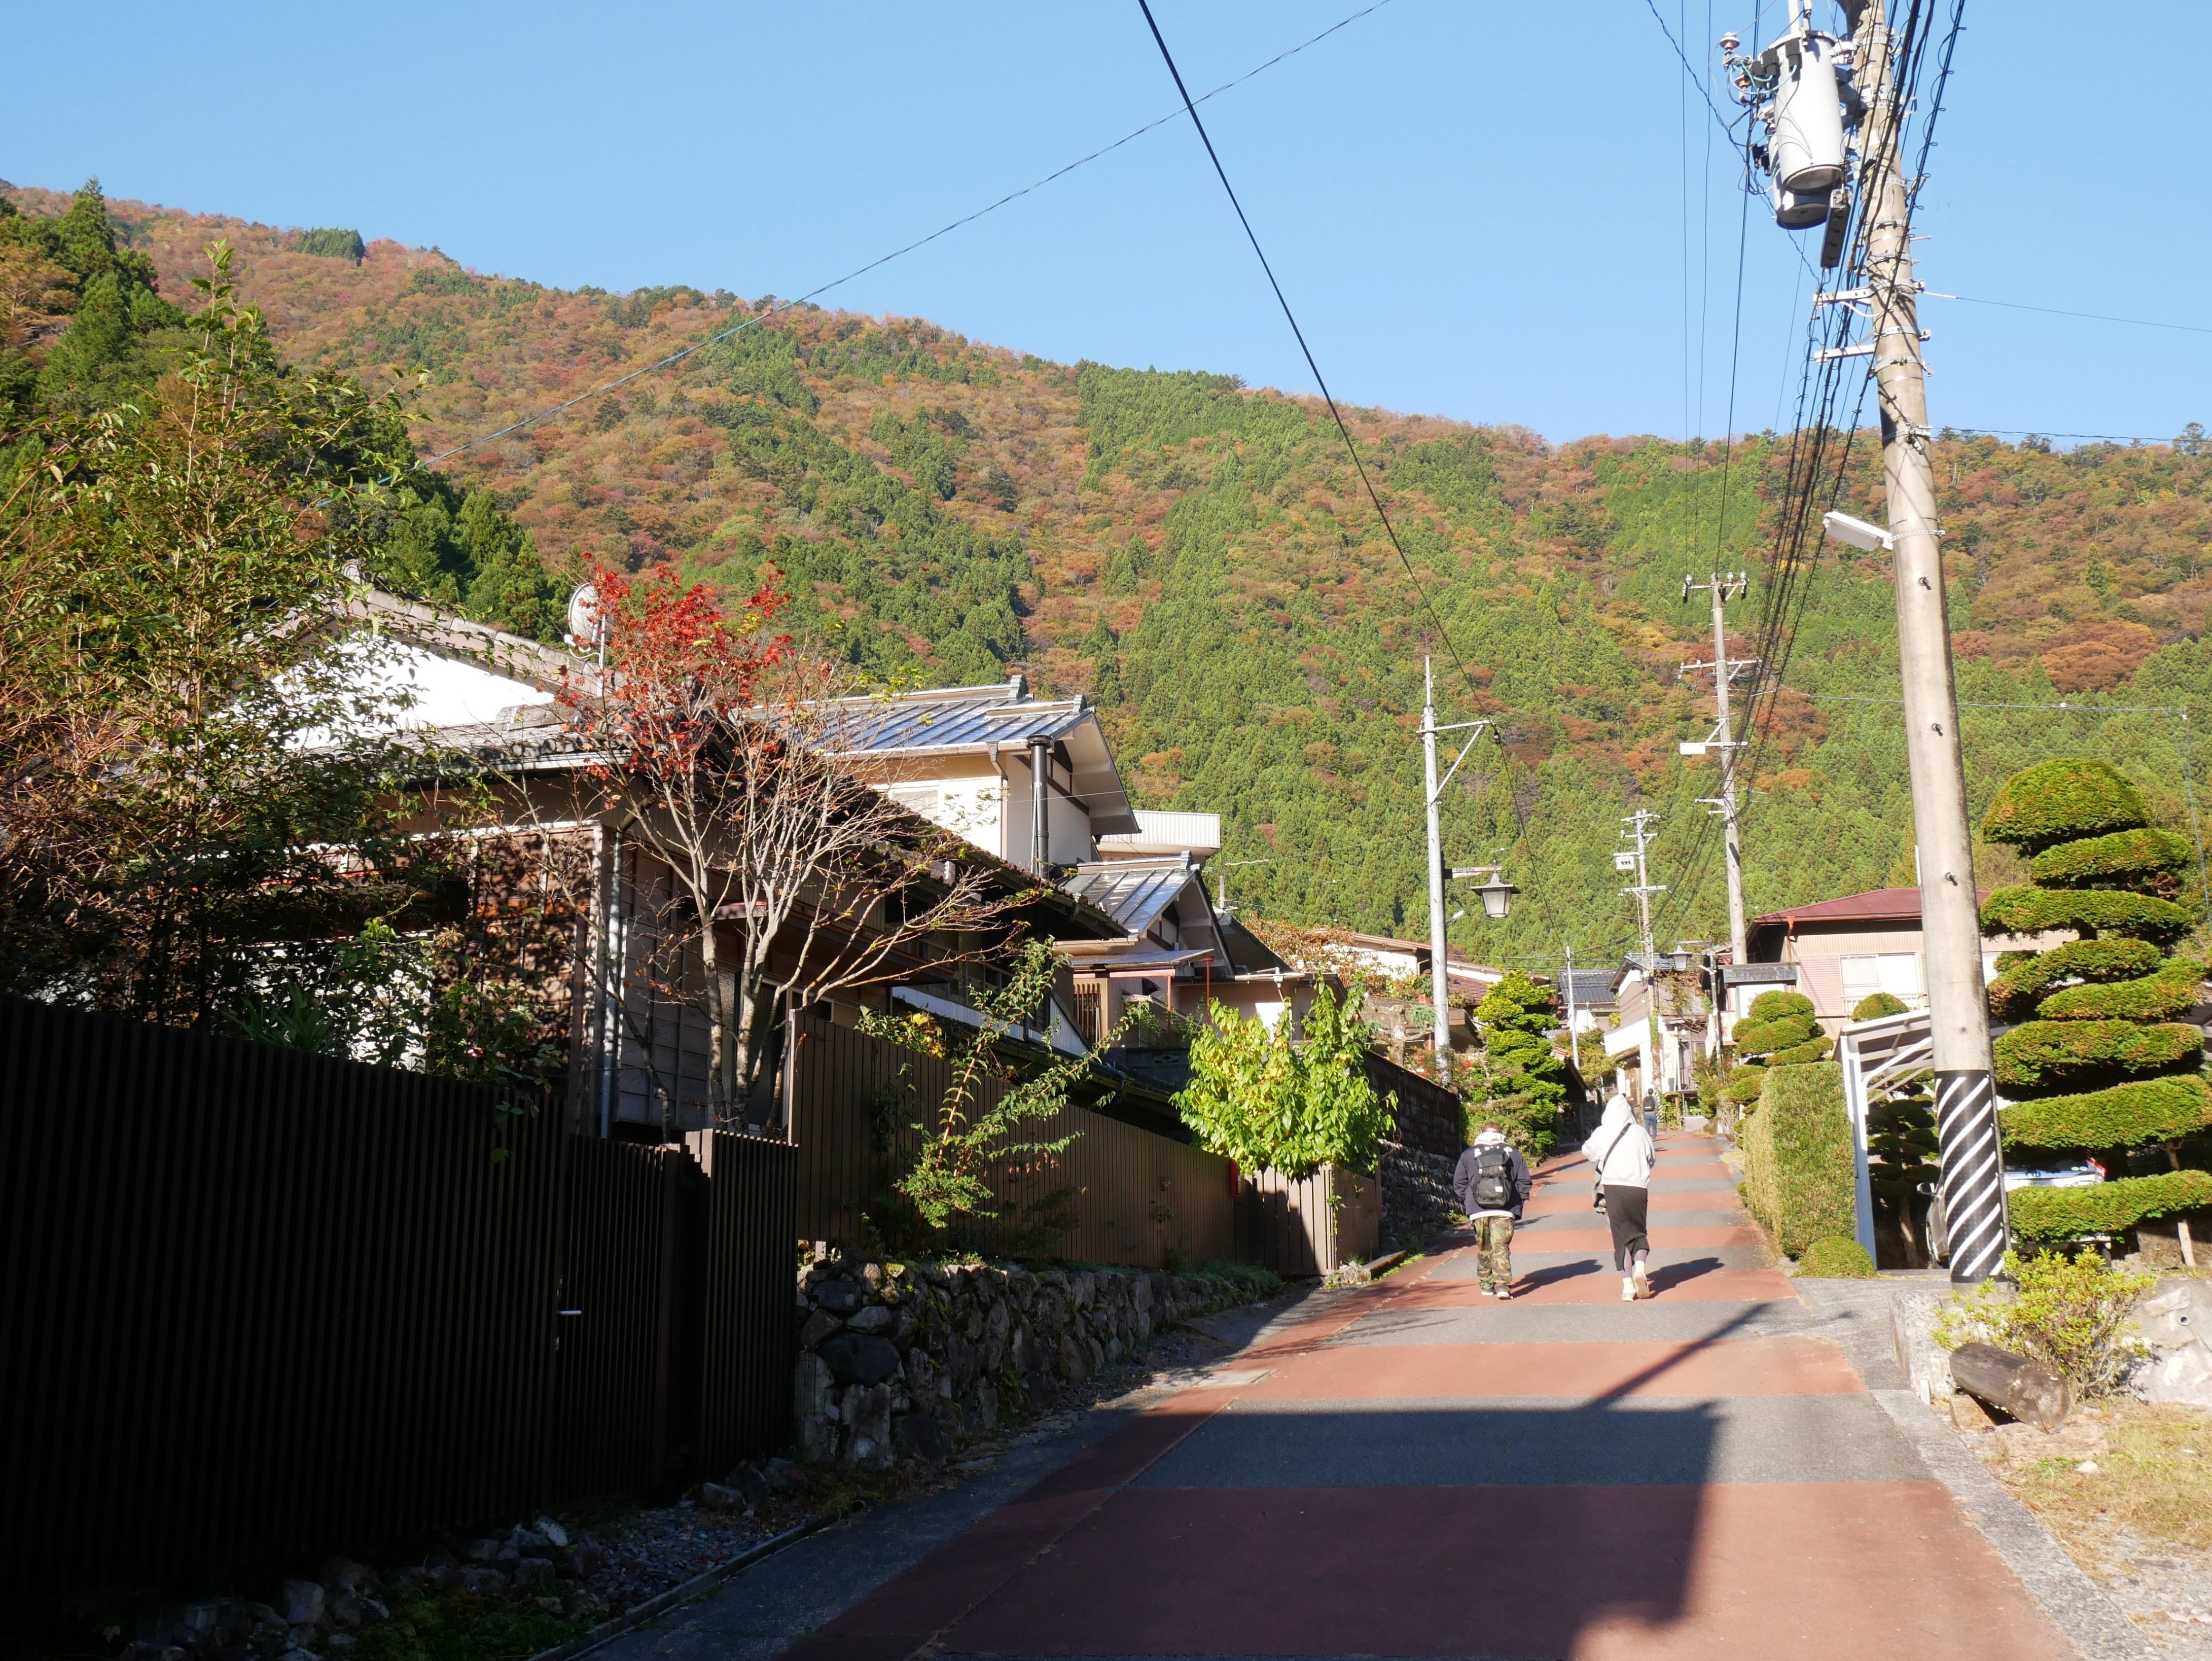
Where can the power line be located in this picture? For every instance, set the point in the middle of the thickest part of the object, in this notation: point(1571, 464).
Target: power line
point(1345, 432)
point(862, 270)
point(2094, 317)
point(1688, 70)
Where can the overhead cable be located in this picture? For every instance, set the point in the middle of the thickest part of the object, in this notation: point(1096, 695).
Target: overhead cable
point(1190, 104)
point(781, 306)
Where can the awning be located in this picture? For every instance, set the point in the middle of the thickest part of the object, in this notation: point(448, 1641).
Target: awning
point(1110, 962)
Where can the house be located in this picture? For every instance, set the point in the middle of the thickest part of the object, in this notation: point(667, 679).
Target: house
point(1845, 950)
point(1663, 1024)
point(637, 1043)
point(1029, 780)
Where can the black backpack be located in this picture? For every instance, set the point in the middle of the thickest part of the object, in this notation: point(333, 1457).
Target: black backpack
point(1492, 1188)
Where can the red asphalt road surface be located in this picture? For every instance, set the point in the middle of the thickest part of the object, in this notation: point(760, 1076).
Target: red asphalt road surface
point(1419, 1471)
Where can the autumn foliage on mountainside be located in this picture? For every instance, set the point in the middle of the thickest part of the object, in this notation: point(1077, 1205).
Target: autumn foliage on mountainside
point(1198, 557)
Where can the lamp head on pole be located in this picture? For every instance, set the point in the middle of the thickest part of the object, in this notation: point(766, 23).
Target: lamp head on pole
point(1497, 893)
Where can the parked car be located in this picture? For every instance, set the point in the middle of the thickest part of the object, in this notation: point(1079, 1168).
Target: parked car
point(2075, 1173)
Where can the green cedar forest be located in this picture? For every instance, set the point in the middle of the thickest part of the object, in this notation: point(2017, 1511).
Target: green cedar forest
point(1197, 556)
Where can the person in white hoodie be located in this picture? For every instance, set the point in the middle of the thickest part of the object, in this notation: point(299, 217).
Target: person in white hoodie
point(1621, 1156)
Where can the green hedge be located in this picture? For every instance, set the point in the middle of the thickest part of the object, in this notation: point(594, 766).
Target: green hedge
point(1797, 1166)
point(2063, 1214)
point(2032, 910)
point(2131, 859)
point(1744, 1084)
point(1763, 1038)
point(2127, 1114)
point(2024, 975)
point(1835, 1258)
point(1875, 1005)
point(2042, 1058)
point(2157, 997)
point(2064, 801)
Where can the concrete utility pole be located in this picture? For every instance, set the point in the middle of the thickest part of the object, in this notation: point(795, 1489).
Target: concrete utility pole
point(1640, 828)
point(1965, 1102)
point(1433, 789)
point(1723, 587)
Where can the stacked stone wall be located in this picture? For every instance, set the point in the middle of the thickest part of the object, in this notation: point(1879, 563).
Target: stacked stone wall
point(898, 1360)
point(1417, 1194)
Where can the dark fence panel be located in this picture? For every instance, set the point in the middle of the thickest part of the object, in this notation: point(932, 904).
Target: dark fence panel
point(254, 1300)
point(256, 1303)
point(752, 1224)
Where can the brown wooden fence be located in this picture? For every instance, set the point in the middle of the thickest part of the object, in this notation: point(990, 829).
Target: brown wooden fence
point(256, 1303)
point(1309, 1225)
point(1137, 1197)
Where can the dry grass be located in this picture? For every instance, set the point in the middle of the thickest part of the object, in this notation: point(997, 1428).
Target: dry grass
point(2154, 1485)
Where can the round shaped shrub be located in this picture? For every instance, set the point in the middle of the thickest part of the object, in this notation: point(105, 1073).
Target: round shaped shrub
point(1874, 1005)
point(1772, 1006)
point(1834, 1258)
point(1760, 1038)
point(2064, 801)
point(1813, 1050)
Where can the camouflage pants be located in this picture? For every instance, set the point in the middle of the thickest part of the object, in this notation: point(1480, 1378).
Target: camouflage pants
point(1493, 1246)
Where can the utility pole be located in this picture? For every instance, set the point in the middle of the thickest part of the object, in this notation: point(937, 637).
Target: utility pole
point(1723, 587)
point(1640, 828)
point(1958, 1005)
point(1433, 789)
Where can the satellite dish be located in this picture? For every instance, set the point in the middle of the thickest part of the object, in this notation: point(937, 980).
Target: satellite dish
point(587, 630)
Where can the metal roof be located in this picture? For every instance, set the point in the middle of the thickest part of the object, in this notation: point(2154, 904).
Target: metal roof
point(1133, 892)
point(986, 719)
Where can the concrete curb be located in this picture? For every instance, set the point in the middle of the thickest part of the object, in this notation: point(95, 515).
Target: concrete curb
point(2074, 1602)
point(696, 1586)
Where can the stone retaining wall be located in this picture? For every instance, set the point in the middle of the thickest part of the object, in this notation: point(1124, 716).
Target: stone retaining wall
point(898, 1360)
point(1417, 1194)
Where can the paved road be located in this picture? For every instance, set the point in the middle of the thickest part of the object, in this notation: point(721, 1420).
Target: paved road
point(1419, 1471)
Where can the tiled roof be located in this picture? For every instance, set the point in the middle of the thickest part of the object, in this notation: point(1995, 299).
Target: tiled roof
point(1876, 904)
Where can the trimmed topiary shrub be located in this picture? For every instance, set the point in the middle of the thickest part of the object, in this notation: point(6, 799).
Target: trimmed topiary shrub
point(2102, 1066)
point(1797, 1164)
point(2039, 1057)
point(2147, 862)
point(1832, 1257)
point(2126, 1116)
point(2064, 801)
point(2090, 910)
point(2026, 976)
point(1779, 1030)
point(1875, 1005)
point(2067, 1214)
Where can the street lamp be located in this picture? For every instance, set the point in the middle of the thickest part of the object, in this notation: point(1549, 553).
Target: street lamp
point(1497, 893)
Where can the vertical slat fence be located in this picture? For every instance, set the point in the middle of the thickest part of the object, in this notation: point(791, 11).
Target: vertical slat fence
point(257, 1304)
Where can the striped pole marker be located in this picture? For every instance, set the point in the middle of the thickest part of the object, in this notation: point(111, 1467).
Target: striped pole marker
point(1973, 1174)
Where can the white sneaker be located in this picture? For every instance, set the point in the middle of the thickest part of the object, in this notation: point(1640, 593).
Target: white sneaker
point(1505, 1291)
point(1628, 1291)
point(1642, 1282)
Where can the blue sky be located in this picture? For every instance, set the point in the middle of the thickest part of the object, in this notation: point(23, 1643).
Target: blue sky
point(1478, 209)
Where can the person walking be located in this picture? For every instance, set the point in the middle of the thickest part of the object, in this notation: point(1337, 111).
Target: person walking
point(1492, 1181)
point(1621, 1156)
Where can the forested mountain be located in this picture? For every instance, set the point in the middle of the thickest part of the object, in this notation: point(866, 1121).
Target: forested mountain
point(1197, 554)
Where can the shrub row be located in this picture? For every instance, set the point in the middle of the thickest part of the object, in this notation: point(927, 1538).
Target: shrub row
point(2157, 997)
point(2142, 1110)
point(2133, 858)
point(2063, 1214)
point(2033, 910)
point(1797, 1166)
point(2041, 1058)
point(2064, 801)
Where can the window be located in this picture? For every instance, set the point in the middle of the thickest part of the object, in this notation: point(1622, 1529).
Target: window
point(1897, 973)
